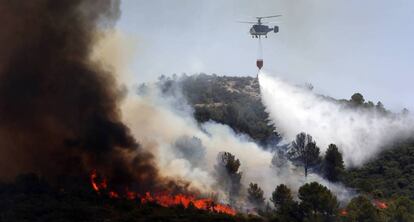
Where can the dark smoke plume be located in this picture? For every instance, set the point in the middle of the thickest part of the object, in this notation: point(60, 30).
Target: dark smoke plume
point(58, 110)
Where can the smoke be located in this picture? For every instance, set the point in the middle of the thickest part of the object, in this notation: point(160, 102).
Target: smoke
point(59, 110)
point(359, 133)
point(186, 150)
point(191, 149)
point(228, 175)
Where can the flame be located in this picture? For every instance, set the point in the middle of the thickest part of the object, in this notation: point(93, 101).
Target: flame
point(97, 185)
point(380, 204)
point(163, 198)
point(168, 200)
point(377, 203)
point(113, 194)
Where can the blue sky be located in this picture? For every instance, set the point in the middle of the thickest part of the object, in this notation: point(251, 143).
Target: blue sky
point(340, 46)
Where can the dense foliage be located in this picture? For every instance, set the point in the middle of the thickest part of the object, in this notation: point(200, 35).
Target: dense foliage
point(234, 101)
point(282, 196)
point(401, 209)
point(333, 163)
point(361, 209)
point(391, 173)
point(317, 202)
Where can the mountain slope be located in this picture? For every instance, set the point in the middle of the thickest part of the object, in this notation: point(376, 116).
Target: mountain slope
point(391, 173)
point(234, 101)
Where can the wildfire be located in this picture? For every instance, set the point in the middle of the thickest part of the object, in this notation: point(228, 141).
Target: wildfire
point(377, 203)
point(168, 200)
point(380, 204)
point(163, 198)
point(97, 186)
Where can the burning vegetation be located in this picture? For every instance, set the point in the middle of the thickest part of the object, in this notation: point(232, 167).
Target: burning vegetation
point(60, 118)
point(59, 114)
point(380, 204)
point(164, 198)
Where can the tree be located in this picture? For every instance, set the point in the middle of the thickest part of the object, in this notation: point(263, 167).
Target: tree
point(228, 175)
point(333, 163)
point(255, 195)
point(304, 151)
point(401, 210)
point(370, 104)
point(287, 208)
point(380, 107)
point(361, 209)
point(279, 159)
point(282, 196)
point(317, 202)
point(357, 99)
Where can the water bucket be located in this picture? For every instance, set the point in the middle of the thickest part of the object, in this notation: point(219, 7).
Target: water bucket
point(259, 63)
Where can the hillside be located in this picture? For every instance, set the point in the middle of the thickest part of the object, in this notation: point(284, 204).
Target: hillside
point(234, 101)
point(390, 174)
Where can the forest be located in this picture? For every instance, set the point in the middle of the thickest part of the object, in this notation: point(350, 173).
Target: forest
point(383, 187)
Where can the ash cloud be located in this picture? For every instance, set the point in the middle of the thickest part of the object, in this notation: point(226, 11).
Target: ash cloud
point(59, 110)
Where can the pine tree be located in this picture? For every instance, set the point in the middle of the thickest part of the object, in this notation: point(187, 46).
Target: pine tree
point(228, 175)
point(282, 196)
point(357, 99)
point(304, 152)
point(286, 208)
point(255, 195)
point(317, 202)
point(333, 163)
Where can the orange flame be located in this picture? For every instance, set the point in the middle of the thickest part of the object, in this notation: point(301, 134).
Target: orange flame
point(97, 186)
point(168, 200)
point(343, 212)
point(164, 199)
point(380, 204)
point(113, 194)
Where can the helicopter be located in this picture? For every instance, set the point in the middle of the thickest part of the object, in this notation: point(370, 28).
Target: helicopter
point(259, 29)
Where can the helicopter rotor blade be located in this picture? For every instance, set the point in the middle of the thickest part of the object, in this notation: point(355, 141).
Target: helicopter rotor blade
point(273, 23)
point(246, 22)
point(271, 16)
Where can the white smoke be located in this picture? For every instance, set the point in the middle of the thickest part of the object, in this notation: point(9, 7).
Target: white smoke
point(165, 126)
point(160, 123)
point(359, 133)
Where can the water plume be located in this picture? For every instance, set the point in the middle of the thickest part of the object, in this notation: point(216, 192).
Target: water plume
point(359, 133)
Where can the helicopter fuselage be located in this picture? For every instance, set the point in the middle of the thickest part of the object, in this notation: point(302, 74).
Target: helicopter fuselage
point(261, 30)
